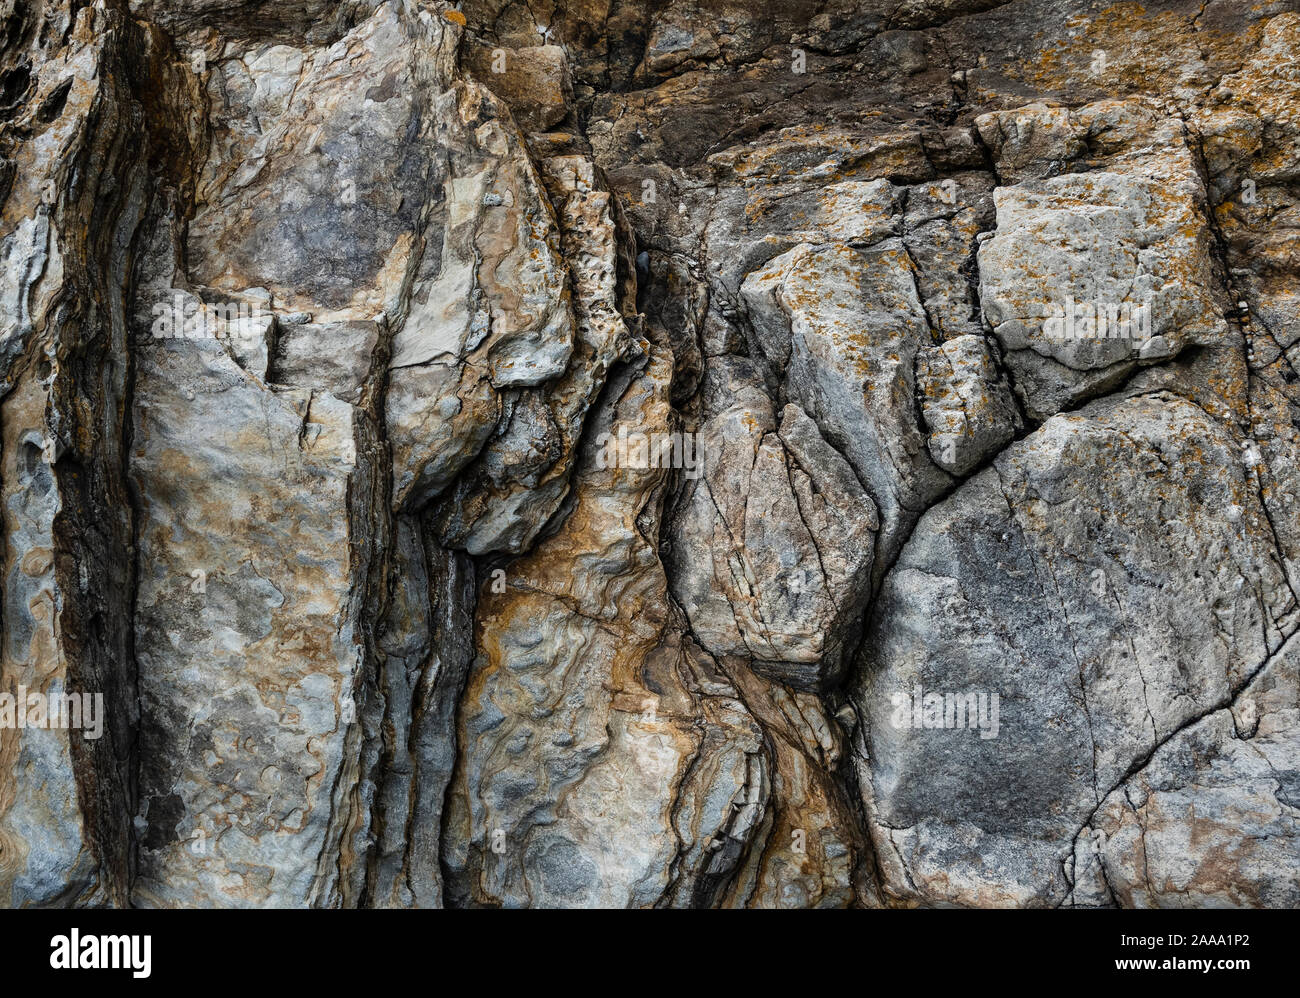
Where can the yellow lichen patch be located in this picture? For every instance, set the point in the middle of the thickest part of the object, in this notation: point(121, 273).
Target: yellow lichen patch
point(1091, 57)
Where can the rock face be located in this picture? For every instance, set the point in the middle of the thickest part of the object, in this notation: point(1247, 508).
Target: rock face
point(628, 455)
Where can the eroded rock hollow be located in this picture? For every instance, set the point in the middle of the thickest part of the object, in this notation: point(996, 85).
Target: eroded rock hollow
point(649, 453)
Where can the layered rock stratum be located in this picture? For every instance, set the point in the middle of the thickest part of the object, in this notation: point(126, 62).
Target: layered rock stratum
point(649, 453)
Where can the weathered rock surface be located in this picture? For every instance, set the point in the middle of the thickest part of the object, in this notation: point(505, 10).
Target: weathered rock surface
point(965, 402)
point(1111, 196)
point(1115, 648)
point(631, 454)
point(772, 555)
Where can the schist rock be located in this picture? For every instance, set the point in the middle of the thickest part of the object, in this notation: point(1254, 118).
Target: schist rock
point(642, 455)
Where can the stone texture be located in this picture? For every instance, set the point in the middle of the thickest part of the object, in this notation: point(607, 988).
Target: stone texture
point(965, 402)
point(606, 761)
point(844, 327)
point(1116, 649)
point(1112, 196)
point(534, 81)
point(772, 555)
point(319, 323)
